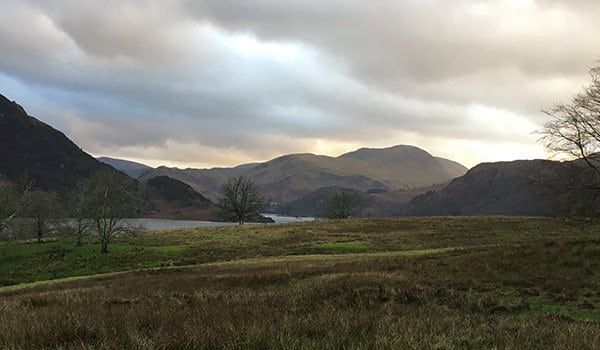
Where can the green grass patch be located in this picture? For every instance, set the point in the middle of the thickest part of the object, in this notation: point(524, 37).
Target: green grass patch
point(540, 306)
point(223, 234)
point(348, 245)
point(355, 246)
point(30, 262)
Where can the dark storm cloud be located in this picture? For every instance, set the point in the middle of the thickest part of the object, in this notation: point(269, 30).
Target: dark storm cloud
point(254, 79)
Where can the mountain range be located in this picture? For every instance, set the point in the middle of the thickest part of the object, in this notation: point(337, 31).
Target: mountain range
point(293, 176)
point(399, 180)
point(32, 151)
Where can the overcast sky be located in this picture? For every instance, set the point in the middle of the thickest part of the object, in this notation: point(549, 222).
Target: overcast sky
point(204, 83)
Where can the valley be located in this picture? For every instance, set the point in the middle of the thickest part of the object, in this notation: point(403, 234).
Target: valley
point(295, 175)
point(417, 265)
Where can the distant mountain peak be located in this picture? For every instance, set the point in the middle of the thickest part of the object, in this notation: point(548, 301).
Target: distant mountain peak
point(133, 169)
point(292, 176)
point(395, 148)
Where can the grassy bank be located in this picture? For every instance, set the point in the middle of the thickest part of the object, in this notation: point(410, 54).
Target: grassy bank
point(480, 282)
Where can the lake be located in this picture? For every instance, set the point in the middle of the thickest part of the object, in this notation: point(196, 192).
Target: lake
point(280, 219)
point(161, 224)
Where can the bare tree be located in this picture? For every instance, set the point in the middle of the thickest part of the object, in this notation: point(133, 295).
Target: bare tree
point(573, 133)
point(241, 199)
point(8, 203)
point(107, 198)
point(342, 205)
point(45, 210)
point(574, 129)
point(78, 212)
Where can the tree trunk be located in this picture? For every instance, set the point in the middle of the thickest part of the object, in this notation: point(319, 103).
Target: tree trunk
point(39, 230)
point(104, 247)
point(80, 233)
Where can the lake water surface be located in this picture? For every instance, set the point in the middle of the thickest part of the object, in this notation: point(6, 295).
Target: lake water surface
point(161, 224)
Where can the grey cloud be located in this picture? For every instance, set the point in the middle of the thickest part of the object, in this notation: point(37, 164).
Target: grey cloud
point(392, 43)
point(144, 74)
point(141, 30)
point(435, 50)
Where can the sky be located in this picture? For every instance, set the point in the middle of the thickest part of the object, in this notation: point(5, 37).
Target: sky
point(203, 83)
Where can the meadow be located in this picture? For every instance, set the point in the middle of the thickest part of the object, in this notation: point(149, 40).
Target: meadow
point(438, 283)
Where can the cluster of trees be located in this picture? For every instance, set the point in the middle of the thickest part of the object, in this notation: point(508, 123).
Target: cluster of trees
point(102, 202)
point(98, 206)
point(241, 200)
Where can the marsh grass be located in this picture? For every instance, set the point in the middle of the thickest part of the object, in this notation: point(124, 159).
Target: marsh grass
point(468, 283)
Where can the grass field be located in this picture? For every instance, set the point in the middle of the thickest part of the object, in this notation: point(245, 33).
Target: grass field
point(464, 282)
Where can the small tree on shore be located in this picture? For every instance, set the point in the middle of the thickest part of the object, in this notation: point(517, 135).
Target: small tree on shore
point(342, 205)
point(240, 199)
point(106, 199)
point(45, 210)
point(79, 214)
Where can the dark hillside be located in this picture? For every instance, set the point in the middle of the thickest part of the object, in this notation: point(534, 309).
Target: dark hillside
point(523, 187)
point(34, 151)
point(205, 181)
point(166, 188)
point(173, 199)
point(315, 203)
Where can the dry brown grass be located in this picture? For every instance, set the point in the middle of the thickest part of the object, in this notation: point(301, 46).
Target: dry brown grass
point(481, 283)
